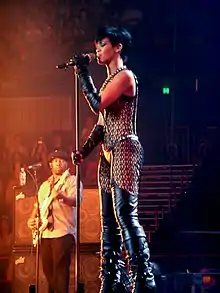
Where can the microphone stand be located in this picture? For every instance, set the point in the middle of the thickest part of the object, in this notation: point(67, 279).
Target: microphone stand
point(34, 288)
point(78, 285)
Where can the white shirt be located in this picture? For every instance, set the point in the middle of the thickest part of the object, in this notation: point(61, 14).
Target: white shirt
point(64, 216)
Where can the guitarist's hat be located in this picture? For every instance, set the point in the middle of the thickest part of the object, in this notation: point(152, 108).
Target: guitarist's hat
point(58, 154)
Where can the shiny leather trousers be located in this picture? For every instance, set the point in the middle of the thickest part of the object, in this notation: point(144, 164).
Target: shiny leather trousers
point(114, 277)
point(120, 221)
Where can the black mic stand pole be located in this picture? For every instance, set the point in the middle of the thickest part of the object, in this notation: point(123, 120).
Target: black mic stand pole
point(79, 287)
point(38, 236)
point(34, 288)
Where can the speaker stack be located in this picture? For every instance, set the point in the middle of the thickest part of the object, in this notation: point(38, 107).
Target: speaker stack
point(23, 260)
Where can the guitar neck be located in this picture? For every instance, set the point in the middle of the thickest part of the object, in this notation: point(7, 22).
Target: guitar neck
point(61, 181)
point(56, 187)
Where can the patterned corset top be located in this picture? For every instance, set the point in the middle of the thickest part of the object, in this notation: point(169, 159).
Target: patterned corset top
point(119, 121)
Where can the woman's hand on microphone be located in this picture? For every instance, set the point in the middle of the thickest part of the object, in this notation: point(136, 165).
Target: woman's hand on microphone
point(81, 67)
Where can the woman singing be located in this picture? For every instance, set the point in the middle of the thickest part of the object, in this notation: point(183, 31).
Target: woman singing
point(120, 163)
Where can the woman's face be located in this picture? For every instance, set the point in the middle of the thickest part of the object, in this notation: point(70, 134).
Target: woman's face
point(105, 52)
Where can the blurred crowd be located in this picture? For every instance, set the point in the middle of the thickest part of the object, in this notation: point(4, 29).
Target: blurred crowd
point(42, 31)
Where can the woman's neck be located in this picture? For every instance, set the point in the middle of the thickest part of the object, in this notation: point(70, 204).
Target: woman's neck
point(113, 66)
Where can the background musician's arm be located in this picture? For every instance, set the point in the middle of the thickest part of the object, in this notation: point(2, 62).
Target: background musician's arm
point(32, 219)
point(68, 196)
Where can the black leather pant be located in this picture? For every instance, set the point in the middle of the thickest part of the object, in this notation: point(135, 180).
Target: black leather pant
point(120, 218)
point(113, 271)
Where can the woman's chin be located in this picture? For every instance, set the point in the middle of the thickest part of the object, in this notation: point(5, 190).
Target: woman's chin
point(100, 62)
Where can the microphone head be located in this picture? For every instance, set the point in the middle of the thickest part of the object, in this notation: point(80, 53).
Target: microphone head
point(92, 56)
point(83, 59)
point(86, 59)
point(62, 66)
point(35, 166)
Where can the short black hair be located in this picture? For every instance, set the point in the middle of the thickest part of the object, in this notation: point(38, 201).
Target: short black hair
point(116, 35)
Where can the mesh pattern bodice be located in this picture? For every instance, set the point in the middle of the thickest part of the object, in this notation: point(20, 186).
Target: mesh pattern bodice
point(126, 152)
point(119, 120)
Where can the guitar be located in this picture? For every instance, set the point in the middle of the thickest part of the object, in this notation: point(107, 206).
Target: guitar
point(44, 209)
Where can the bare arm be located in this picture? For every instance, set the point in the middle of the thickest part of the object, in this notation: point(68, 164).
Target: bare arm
point(123, 83)
point(32, 219)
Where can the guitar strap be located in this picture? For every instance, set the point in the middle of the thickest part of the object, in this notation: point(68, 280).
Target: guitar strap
point(50, 225)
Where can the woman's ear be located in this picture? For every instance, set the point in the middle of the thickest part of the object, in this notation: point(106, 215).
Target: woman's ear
point(119, 48)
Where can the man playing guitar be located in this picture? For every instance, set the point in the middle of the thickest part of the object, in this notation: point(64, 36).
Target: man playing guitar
point(57, 202)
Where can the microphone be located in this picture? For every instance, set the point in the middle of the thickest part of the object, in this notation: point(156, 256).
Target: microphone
point(34, 166)
point(84, 59)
